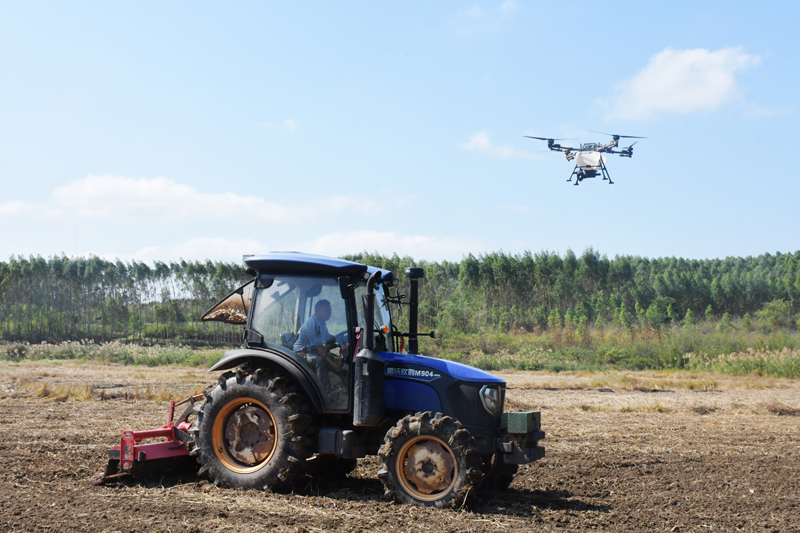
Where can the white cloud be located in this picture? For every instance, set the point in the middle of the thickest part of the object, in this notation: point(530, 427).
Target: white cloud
point(158, 198)
point(477, 20)
point(474, 12)
point(389, 242)
point(333, 244)
point(17, 208)
point(197, 249)
point(162, 199)
point(481, 142)
point(290, 125)
point(681, 81)
point(509, 5)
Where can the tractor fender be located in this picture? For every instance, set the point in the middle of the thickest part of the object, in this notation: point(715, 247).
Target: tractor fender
point(273, 356)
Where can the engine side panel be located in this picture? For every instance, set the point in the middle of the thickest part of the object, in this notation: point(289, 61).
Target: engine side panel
point(409, 395)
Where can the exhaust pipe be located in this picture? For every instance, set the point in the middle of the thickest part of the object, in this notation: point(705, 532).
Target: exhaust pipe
point(369, 369)
point(414, 274)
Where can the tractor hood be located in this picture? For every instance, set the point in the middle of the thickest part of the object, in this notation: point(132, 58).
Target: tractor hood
point(455, 370)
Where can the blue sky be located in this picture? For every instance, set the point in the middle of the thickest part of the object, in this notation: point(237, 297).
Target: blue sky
point(201, 130)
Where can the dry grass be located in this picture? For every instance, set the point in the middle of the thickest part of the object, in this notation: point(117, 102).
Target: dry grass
point(608, 392)
point(780, 409)
point(649, 381)
point(46, 391)
point(59, 381)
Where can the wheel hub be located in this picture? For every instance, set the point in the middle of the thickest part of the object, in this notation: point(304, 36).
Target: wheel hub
point(250, 435)
point(428, 466)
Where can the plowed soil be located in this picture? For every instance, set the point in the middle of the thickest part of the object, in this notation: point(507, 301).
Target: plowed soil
point(625, 452)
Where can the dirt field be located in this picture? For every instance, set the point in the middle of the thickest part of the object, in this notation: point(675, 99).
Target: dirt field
point(625, 452)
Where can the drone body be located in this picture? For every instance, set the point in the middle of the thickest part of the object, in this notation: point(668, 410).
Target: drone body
point(590, 161)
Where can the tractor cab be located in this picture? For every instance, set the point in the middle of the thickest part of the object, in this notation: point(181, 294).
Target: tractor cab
point(282, 311)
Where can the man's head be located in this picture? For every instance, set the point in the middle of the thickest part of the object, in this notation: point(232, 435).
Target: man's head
point(322, 310)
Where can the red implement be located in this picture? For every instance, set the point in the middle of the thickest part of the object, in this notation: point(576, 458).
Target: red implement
point(133, 452)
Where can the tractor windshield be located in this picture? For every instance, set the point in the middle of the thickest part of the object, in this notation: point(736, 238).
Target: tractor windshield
point(305, 318)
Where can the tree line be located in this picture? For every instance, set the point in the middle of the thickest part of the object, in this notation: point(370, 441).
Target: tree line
point(502, 292)
point(61, 298)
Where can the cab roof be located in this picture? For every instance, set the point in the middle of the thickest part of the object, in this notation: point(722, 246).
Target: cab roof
point(297, 263)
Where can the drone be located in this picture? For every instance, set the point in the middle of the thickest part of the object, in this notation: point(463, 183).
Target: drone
point(589, 159)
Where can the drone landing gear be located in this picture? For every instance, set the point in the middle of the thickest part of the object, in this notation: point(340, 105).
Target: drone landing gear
point(606, 175)
point(577, 173)
point(581, 174)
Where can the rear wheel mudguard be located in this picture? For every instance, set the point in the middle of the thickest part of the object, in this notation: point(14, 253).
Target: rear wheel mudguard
point(273, 357)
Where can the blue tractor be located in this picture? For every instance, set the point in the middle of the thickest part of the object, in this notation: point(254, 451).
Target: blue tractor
point(322, 381)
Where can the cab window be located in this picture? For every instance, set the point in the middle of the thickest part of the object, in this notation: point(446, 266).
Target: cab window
point(305, 318)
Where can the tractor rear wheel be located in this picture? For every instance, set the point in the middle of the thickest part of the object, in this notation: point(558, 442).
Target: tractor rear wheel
point(252, 432)
point(430, 461)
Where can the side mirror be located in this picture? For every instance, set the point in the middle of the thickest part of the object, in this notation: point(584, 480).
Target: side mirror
point(253, 337)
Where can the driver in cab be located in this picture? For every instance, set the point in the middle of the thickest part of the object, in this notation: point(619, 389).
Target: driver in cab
point(315, 342)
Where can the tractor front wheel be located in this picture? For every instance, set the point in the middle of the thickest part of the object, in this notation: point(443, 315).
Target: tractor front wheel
point(497, 474)
point(430, 461)
point(251, 432)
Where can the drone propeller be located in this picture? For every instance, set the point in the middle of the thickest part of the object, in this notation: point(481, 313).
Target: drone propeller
point(627, 151)
point(544, 138)
point(618, 136)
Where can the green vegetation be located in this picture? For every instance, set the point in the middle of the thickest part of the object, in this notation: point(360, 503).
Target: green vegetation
point(530, 311)
point(701, 347)
point(111, 352)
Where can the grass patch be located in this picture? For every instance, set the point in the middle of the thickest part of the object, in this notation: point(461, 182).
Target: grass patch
point(775, 363)
point(697, 348)
point(704, 409)
point(779, 409)
point(46, 390)
point(112, 352)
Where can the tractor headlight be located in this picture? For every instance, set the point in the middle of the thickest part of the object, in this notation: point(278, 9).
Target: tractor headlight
point(491, 398)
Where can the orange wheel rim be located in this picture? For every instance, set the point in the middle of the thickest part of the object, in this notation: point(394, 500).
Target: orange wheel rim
point(427, 468)
point(244, 435)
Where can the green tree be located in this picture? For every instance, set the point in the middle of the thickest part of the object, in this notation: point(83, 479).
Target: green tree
point(775, 315)
point(641, 314)
point(624, 317)
point(725, 323)
point(554, 320)
point(655, 317)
